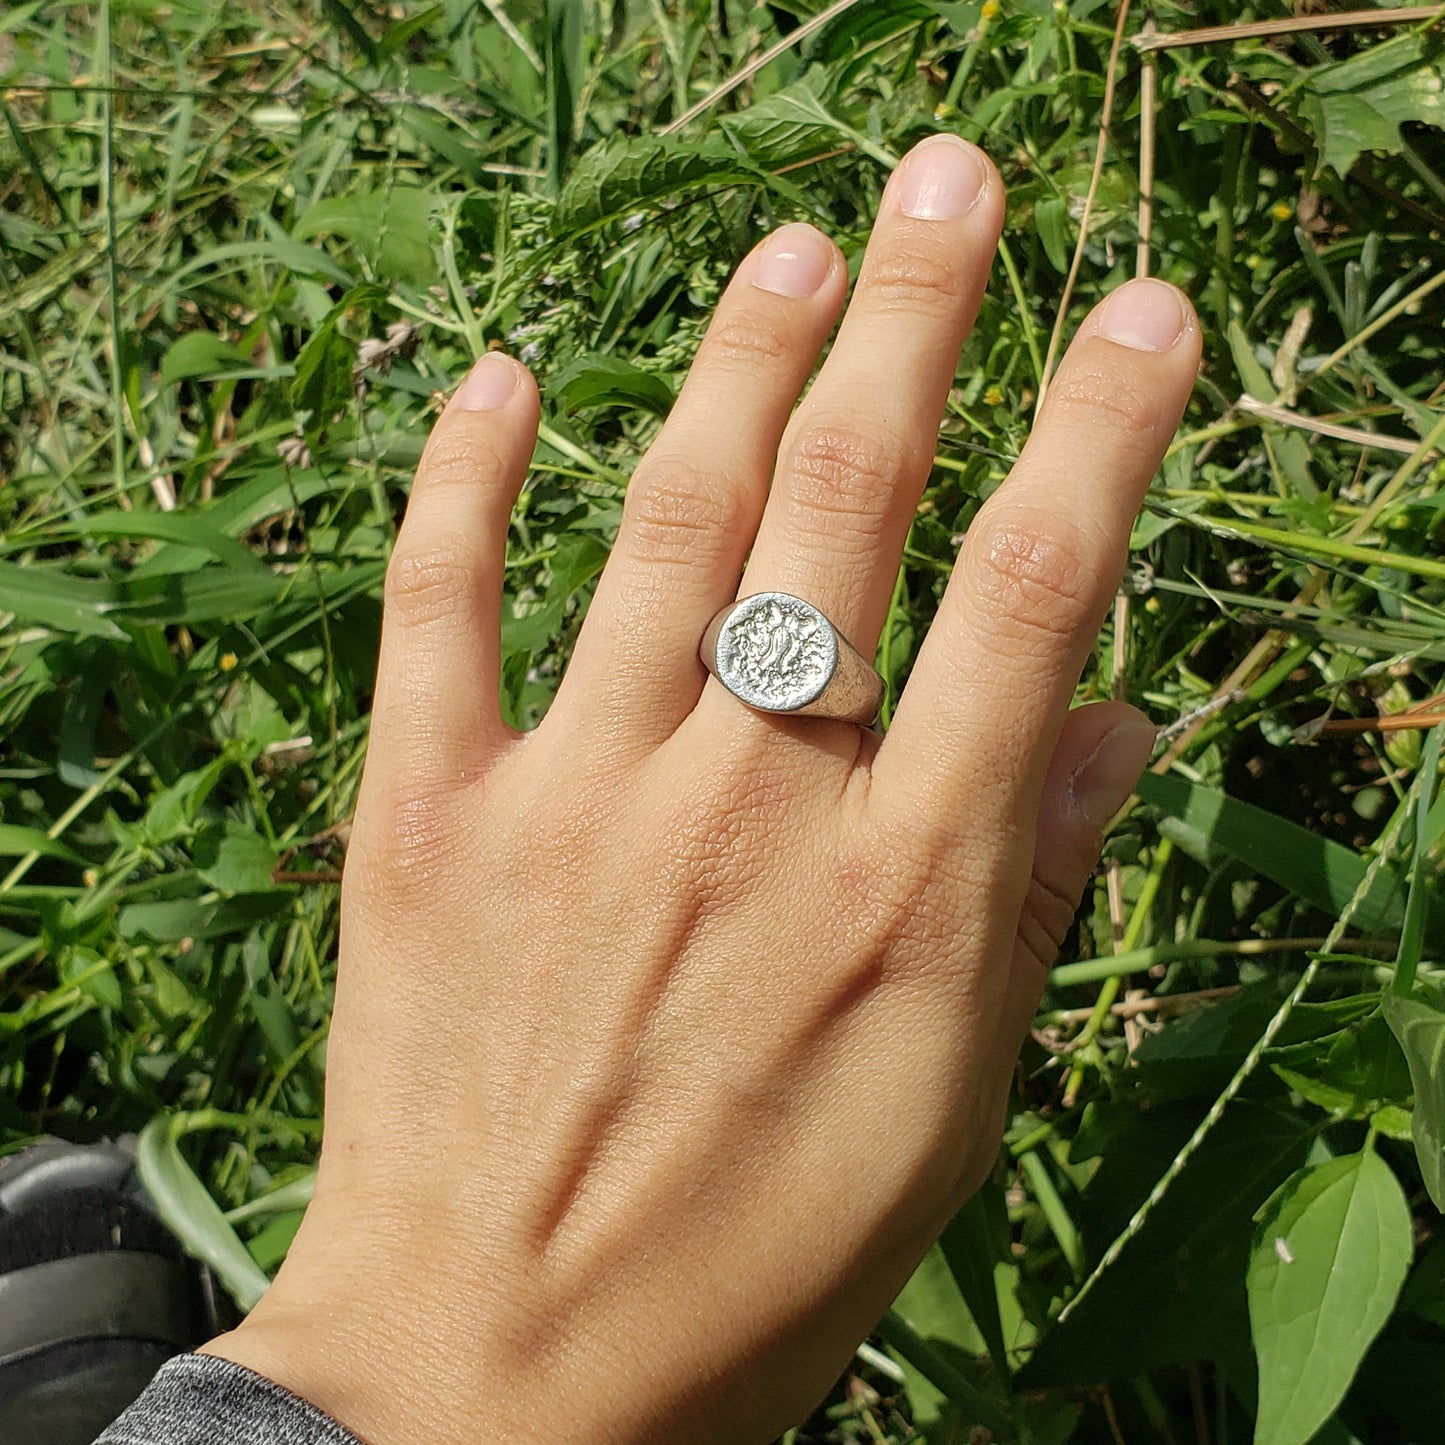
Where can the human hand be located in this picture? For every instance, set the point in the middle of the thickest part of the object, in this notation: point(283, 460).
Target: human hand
point(668, 1036)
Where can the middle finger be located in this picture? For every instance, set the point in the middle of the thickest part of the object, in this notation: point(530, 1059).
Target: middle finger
point(857, 454)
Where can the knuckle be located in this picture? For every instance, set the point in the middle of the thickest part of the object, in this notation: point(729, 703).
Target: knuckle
point(458, 457)
point(1030, 576)
point(673, 507)
point(882, 903)
point(745, 340)
point(1044, 921)
point(844, 476)
point(914, 280)
point(403, 846)
point(426, 584)
point(1090, 391)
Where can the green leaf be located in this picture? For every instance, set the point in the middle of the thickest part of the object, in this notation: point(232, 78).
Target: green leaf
point(392, 229)
point(1412, 931)
point(80, 720)
point(794, 122)
point(1199, 1052)
point(93, 976)
point(397, 36)
point(201, 353)
point(295, 1194)
point(1360, 1071)
point(43, 596)
point(961, 16)
point(970, 1247)
point(270, 1246)
point(1255, 378)
point(241, 861)
point(1206, 823)
point(1344, 125)
point(626, 174)
point(787, 126)
point(932, 1306)
point(1331, 1253)
point(1420, 1028)
point(170, 995)
point(272, 1011)
point(1393, 1122)
point(193, 1216)
point(596, 380)
point(1402, 79)
point(16, 841)
point(1051, 222)
point(341, 15)
point(172, 811)
point(1288, 452)
point(1360, 104)
point(578, 558)
point(278, 250)
point(176, 919)
point(185, 529)
point(1177, 1292)
point(224, 595)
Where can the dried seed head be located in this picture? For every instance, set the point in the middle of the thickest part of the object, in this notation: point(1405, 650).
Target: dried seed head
point(294, 452)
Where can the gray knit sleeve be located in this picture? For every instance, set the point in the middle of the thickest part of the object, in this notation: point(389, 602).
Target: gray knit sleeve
point(200, 1400)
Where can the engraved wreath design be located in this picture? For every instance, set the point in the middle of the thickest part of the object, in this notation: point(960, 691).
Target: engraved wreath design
point(780, 650)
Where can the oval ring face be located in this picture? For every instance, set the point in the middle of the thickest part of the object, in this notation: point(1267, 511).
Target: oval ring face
point(776, 652)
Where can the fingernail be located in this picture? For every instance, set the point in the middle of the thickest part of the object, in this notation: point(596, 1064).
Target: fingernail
point(489, 384)
point(795, 261)
point(1101, 784)
point(1144, 315)
point(941, 178)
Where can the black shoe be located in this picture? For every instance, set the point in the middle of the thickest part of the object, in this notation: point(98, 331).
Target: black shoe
point(95, 1293)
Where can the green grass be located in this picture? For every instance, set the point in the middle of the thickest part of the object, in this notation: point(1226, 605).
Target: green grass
point(243, 247)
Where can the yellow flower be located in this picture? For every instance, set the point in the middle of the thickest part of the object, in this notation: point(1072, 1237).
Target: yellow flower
point(228, 662)
point(1281, 210)
point(990, 9)
point(993, 397)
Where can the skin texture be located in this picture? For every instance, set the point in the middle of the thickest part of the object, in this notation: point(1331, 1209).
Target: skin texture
point(668, 1036)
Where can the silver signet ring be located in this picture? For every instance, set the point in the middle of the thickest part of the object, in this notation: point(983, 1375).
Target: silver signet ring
point(777, 653)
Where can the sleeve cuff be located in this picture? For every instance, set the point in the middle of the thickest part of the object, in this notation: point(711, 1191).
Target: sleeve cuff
point(202, 1400)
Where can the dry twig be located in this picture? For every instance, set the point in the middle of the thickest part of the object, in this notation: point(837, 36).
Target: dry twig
point(1146, 41)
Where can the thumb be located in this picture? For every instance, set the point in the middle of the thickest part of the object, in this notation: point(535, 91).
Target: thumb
point(1101, 751)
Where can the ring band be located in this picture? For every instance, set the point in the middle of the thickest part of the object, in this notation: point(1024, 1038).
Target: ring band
point(777, 653)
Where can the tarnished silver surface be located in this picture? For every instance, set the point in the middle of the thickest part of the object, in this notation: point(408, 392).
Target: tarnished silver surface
point(778, 653)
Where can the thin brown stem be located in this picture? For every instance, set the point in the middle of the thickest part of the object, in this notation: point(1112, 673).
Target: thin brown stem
point(1148, 110)
point(1395, 723)
point(1111, 1415)
point(1292, 25)
point(1196, 1401)
point(1285, 417)
point(1164, 1005)
point(1111, 81)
